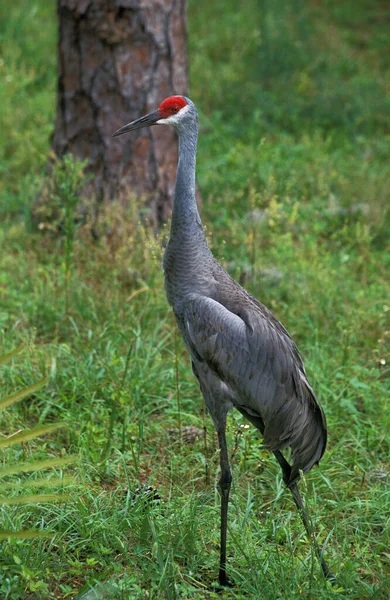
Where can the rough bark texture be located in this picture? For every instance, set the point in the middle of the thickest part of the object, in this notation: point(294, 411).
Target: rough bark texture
point(118, 59)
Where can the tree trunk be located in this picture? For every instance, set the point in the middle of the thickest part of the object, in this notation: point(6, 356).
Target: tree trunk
point(117, 60)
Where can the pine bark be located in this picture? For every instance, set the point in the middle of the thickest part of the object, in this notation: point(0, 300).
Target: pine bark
point(117, 60)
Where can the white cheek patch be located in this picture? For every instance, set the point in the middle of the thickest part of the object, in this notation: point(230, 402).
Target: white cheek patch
point(174, 118)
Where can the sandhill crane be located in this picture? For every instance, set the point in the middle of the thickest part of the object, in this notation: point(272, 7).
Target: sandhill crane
point(241, 354)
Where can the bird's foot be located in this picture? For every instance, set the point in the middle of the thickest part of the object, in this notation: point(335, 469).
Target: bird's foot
point(327, 572)
point(331, 578)
point(224, 582)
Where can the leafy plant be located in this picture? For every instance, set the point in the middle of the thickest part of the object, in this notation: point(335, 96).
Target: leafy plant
point(57, 208)
point(10, 470)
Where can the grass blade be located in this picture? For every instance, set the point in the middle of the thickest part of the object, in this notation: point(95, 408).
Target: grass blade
point(24, 393)
point(57, 481)
point(6, 357)
point(29, 434)
point(34, 499)
point(25, 534)
point(36, 466)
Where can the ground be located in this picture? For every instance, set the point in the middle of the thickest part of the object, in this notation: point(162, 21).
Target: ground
point(293, 172)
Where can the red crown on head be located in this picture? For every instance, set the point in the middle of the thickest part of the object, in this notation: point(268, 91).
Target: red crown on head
point(170, 106)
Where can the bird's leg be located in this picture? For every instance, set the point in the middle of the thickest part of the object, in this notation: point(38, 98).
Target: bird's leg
point(309, 530)
point(224, 484)
point(293, 487)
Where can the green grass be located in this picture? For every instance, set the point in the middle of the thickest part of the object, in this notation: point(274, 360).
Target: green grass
point(293, 170)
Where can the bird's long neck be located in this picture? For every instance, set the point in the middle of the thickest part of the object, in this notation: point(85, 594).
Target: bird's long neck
point(185, 215)
point(187, 257)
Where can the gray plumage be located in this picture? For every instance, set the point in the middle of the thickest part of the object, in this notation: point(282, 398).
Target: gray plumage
point(241, 354)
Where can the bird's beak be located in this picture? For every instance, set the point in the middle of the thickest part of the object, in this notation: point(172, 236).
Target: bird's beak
point(146, 121)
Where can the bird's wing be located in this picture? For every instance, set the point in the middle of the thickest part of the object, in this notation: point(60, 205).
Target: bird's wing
point(258, 361)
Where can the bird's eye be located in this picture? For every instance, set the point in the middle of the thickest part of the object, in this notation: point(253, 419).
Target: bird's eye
point(174, 109)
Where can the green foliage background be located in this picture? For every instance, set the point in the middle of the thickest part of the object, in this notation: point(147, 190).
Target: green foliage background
point(293, 168)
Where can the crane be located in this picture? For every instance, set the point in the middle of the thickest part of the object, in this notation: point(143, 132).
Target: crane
point(241, 354)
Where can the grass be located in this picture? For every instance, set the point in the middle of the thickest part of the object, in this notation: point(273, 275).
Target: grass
point(293, 101)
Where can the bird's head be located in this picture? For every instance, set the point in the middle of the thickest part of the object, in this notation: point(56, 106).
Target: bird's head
point(175, 110)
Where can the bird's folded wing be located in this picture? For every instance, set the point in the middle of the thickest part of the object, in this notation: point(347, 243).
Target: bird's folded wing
point(258, 361)
point(245, 351)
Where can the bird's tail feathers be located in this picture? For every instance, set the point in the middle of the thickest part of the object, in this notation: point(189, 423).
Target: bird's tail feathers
point(308, 450)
